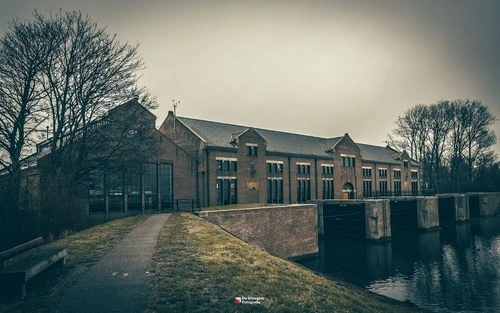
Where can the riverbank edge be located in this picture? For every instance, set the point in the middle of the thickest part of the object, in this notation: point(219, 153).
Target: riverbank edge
point(199, 267)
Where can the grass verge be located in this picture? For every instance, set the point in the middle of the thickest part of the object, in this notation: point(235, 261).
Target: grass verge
point(200, 268)
point(237, 206)
point(84, 249)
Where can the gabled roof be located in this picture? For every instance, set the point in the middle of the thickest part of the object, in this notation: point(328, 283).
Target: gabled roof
point(222, 135)
point(331, 142)
point(378, 154)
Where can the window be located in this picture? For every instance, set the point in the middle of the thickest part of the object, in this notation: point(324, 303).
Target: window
point(303, 190)
point(414, 188)
point(274, 190)
point(304, 169)
point(115, 188)
point(414, 182)
point(251, 150)
point(397, 173)
point(226, 165)
point(405, 163)
point(226, 191)
point(383, 187)
point(150, 186)
point(275, 168)
point(327, 188)
point(348, 161)
point(382, 172)
point(327, 170)
point(397, 187)
point(133, 187)
point(166, 186)
point(97, 202)
point(367, 187)
point(367, 172)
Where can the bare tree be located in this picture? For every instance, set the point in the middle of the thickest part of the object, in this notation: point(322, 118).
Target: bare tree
point(479, 138)
point(65, 71)
point(450, 139)
point(412, 131)
point(439, 127)
point(23, 49)
point(85, 76)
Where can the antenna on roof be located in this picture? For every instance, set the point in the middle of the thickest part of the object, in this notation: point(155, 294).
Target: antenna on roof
point(175, 104)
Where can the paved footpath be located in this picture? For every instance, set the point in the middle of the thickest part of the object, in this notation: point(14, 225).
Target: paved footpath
point(119, 281)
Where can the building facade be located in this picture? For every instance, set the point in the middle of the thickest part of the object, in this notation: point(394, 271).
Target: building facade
point(239, 164)
point(203, 163)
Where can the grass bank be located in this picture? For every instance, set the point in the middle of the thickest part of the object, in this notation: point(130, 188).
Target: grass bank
point(238, 206)
point(84, 249)
point(200, 268)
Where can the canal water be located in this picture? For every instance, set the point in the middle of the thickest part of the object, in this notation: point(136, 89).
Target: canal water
point(454, 269)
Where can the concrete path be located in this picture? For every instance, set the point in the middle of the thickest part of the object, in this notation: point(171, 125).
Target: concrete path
point(119, 281)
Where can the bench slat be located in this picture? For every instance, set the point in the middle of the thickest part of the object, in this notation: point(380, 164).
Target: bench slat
point(7, 254)
point(45, 263)
point(33, 264)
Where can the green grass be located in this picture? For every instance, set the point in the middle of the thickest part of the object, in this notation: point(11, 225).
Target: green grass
point(84, 249)
point(200, 268)
point(237, 206)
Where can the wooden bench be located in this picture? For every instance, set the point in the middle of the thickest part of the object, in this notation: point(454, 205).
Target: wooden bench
point(14, 276)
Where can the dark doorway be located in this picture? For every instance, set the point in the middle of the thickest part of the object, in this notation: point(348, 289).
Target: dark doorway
point(404, 215)
point(474, 206)
point(348, 191)
point(446, 207)
point(344, 221)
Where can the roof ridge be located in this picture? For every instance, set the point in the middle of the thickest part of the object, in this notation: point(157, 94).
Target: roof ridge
point(257, 128)
point(372, 145)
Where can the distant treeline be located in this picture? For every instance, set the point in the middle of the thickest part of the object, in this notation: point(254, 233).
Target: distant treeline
point(453, 142)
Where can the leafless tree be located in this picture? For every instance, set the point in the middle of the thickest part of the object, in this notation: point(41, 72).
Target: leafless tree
point(85, 76)
point(66, 72)
point(479, 138)
point(451, 139)
point(439, 128)
point(23, 50)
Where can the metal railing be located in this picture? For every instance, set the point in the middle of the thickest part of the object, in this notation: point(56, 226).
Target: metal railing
point(391, 194)
point(176, 205)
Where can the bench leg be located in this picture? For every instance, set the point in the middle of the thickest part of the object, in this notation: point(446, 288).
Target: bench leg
point(23, 290)
point(60, 263)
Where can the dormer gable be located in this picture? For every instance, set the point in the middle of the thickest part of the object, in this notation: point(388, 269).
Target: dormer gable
point(250, 135)
point(344, 141)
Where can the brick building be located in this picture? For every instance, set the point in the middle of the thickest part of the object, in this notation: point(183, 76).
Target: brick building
point(211, 163)
point(240, 164)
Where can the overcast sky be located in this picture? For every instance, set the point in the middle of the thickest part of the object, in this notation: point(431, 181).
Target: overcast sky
point(314, 67)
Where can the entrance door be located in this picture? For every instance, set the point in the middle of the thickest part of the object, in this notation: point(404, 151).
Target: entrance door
point(348, 191)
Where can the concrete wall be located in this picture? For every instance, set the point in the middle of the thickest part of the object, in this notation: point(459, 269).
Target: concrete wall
point(427, 212)
point(378, 219)
point(460, 205)
point(489, 204)
point(462, 208)
point(287, 231)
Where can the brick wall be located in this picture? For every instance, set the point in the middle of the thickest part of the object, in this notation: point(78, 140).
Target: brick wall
point(288, 231)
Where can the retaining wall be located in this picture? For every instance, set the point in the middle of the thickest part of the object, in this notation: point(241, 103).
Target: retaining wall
point(288, 231)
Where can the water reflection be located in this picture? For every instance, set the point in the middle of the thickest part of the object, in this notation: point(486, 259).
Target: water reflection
point(455, 269)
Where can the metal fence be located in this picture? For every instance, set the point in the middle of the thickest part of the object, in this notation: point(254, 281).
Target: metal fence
point(391, 194)
point(176, 205)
